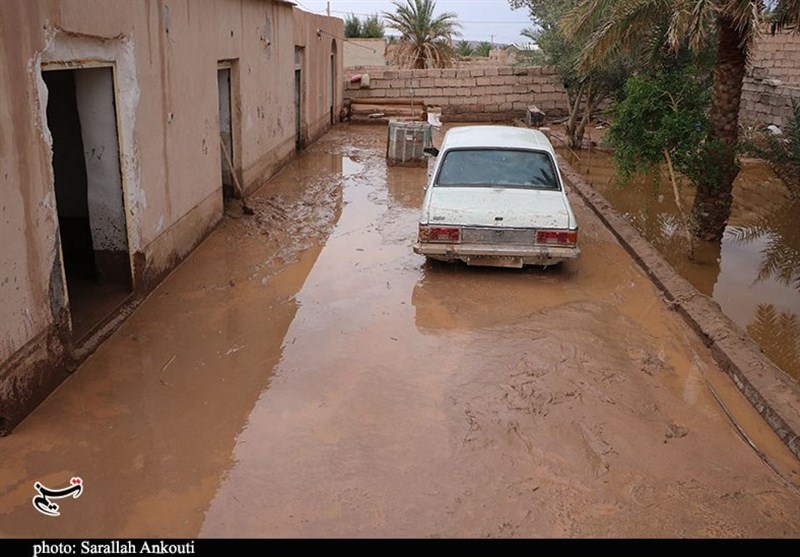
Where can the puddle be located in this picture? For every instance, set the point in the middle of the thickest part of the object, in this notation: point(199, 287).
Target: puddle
point(304, 374)
point(754, 275)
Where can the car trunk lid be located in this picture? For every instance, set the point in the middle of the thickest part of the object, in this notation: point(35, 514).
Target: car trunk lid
point(498, 207)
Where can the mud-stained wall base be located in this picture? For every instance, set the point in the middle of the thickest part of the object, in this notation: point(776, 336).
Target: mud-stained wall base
point(31, 375)
point(119, 79)
point(268, 165)
point(162, 256)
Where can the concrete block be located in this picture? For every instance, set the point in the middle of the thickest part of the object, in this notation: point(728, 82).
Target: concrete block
point(477, 72)
point(505, 70)
point(483, 81)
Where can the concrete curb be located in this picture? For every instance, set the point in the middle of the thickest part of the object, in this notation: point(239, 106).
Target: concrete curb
point(774, 395)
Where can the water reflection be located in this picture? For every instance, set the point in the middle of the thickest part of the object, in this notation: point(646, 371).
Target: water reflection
point(778, 333)
point(778, 233)
point(753, 273)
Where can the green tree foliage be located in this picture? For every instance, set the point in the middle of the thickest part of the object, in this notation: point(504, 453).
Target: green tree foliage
point(464, 49)
point(663, 115)
point(352, 27)
point(729, 27)
point(371, 28)
point(586, 88)
point(483, 49)
point(426, 40)
point(663, 119)
point(535, 57)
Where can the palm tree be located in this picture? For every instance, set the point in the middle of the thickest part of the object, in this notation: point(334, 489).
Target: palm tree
point(464, 49)
point(425, 40)
point(617, 25)
point(484, 49)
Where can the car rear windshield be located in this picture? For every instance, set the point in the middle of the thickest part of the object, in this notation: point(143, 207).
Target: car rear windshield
point(510, 168)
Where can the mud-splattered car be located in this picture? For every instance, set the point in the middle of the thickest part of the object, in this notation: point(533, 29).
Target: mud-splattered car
point(496, 198)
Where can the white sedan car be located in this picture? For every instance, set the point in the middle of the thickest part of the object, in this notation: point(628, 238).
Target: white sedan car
point(496, 198)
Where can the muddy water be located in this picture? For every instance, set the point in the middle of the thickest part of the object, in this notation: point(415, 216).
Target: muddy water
point(303, 373)
point(754, 274)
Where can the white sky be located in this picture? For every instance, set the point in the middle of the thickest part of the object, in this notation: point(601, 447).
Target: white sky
point(480, 19)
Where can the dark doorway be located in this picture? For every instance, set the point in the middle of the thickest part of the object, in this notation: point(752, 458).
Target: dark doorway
point(298, 98)
point(333, 80)
point(226, 131)
point(81, 116)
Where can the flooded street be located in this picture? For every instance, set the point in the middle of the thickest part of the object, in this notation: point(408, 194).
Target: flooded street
point(304, 373)
point(754, 275)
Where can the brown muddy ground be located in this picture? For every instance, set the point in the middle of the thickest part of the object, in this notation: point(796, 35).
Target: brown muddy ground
point(303, 373)
point(753, 273)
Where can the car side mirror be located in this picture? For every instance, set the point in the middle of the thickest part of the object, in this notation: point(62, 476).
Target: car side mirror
point(431, 151)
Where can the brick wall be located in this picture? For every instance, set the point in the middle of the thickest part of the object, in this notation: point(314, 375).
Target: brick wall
point(777, 57)
point(468, 94)
point(772, 80)
point(767, 101)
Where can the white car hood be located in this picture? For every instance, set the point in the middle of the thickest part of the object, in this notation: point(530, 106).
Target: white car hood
point(517, 207)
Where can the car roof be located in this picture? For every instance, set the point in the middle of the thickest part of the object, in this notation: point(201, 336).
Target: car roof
point(496, 136)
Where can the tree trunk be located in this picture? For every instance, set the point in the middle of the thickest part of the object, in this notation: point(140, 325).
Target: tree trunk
point(712, 204)
point(592, 102)
point(573, 114)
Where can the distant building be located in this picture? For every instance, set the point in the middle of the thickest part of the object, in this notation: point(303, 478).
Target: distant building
point(364, 52)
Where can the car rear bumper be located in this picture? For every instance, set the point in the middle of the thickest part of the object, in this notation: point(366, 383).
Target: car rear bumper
point(497, 255)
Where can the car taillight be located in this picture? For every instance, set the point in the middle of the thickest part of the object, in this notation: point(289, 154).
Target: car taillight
point(557, 237)
point(444, 234)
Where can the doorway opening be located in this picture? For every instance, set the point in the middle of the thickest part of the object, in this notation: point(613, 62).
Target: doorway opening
point(226, 131)
point(82, 118)
point(298, 98)
point(333, 80)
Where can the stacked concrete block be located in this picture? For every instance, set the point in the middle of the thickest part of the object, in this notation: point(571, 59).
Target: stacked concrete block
point(776, 57)
point(469, 94)
point(766, 102)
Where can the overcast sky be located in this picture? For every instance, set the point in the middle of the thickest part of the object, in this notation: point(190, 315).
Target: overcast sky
point(480, 19)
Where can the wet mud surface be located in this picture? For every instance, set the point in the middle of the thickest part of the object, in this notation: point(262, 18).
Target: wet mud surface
point(753, 273)
point(303, 373)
